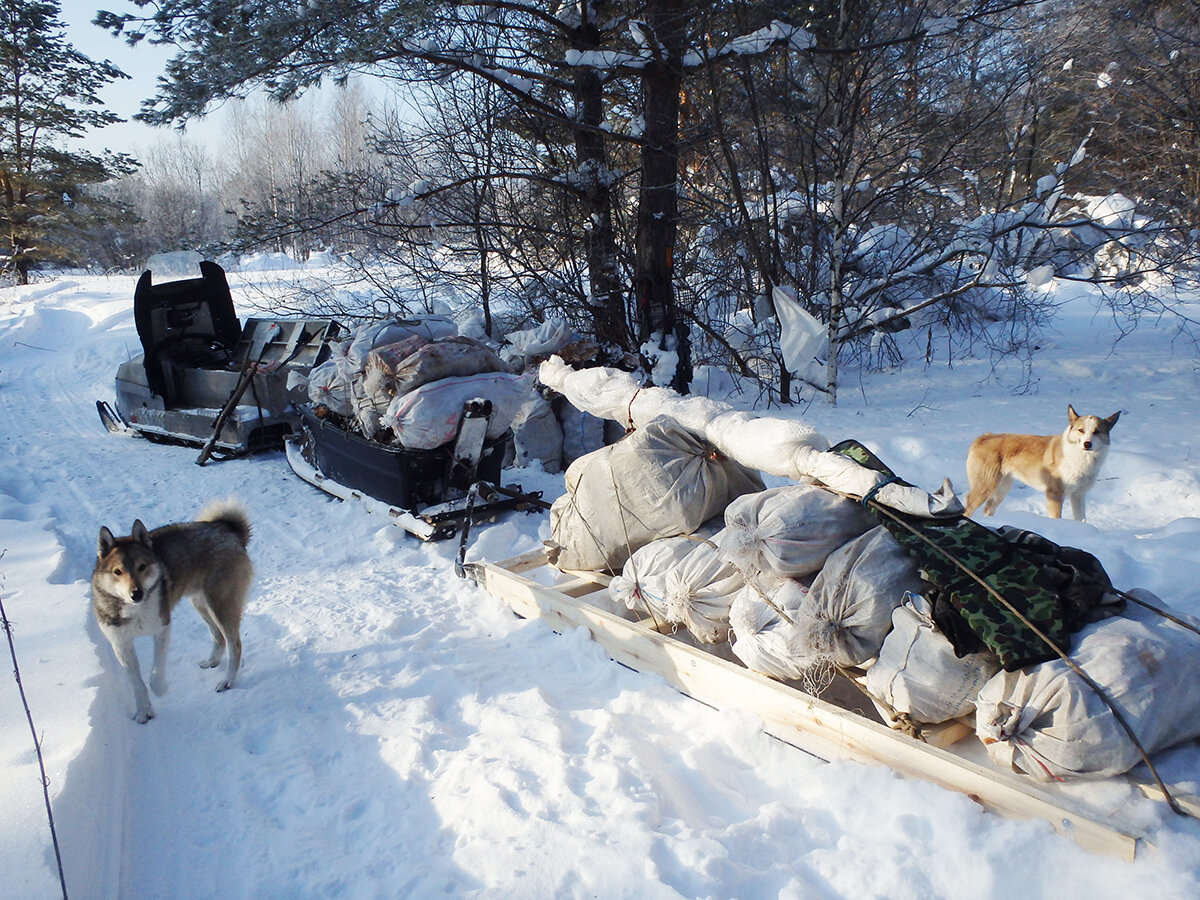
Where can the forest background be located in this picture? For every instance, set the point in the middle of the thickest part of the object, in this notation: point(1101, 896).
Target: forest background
point(774, 188)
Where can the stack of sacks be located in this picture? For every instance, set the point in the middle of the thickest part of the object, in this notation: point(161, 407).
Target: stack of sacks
point(918, 673)
point(658, 481)
point(789, 531)
point(394, 370)
point(1046, 721)
point(782, 628)
point(762, 624)
point(336, 382)
point(680, 581)
point(405, 383)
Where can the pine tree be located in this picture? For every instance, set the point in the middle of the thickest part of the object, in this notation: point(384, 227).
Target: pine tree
point(48, 97)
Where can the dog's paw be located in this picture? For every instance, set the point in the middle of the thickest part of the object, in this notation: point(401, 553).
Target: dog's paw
point(158, 684)
point(142, 716)
point(224, 685)
point(211, 663)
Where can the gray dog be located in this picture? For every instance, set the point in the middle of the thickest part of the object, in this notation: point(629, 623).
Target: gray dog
point(139, 579)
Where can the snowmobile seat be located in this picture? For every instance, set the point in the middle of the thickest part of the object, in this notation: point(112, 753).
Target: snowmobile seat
point(184, 324)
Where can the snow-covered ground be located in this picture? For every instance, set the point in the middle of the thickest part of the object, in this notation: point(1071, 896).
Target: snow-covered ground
point(397, 732)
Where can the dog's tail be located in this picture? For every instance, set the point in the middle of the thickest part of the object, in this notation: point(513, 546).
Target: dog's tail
point(229, 513)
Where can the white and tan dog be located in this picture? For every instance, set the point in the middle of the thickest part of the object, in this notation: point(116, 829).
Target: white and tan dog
point(1063, 465)
point(138, 580)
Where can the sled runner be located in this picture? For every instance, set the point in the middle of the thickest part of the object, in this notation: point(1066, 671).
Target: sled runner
point(850, 600)
point(838, 725)
point(429, 493)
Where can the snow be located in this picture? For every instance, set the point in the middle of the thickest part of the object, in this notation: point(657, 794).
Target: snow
point(398, 732)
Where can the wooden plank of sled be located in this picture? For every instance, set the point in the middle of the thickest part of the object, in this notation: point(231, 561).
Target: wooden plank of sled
point(1189, 803)
point(807, 722)
point(534, 559)
point(579, 588)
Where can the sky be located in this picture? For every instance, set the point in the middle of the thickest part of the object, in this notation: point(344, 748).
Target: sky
point(143, 65)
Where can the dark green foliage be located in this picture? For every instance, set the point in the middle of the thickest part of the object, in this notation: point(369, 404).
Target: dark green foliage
point(48, 97)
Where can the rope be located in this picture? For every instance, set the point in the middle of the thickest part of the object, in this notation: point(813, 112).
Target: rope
point(1070, 663)
point(1150, 606)
point(629, 412)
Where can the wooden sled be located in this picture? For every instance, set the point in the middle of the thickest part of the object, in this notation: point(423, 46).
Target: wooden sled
point(567, 600)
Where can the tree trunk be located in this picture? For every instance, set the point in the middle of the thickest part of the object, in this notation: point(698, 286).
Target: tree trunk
point(658, 202)
point(606, 298)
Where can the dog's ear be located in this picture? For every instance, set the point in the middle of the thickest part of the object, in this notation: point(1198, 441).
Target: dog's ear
point(1071, 414)
point(140, 534)
point(105, 543)
point(1110, 421)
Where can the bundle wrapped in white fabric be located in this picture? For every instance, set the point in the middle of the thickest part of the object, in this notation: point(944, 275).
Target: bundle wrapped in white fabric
point(331, 384)
point(657, 482)
point(537, 435)
point(855, 592)
point(783, 447)
point(1046, 721)
point(919, 674)
point(681, 581)
point(427, 418)
point(762, 625)
point(789, 531)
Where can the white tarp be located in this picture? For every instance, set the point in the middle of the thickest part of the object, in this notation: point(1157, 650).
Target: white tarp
point(783, 447)
point(801, 336)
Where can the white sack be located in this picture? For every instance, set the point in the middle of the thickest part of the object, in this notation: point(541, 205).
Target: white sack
point(378, 334)
point(783, 447)
point(1046, 721)
point(918, 673)
point(657, 482)
point(682, 582)
point(427, 418)
point(448, 358)
point(789, 531)
point(332, 384)
point(763, 639)
point(640, 584)
point(854, 594)
point(537, 435)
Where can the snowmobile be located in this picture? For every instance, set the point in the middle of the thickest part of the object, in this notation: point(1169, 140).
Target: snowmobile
point(206, 379)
